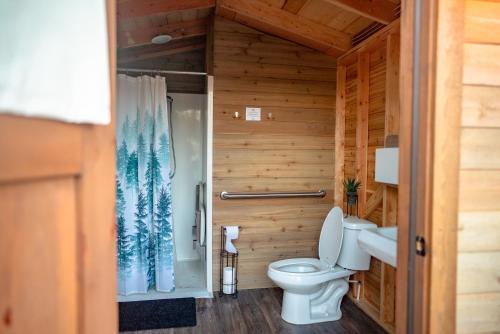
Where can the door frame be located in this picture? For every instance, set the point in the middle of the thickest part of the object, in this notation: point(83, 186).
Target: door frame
point(431, 91)
point(209, 181)
point(98, 310)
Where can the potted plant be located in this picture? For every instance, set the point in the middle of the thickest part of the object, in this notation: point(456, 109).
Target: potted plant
point(351, 187)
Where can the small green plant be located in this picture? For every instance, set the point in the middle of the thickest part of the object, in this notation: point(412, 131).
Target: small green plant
point(351, 185)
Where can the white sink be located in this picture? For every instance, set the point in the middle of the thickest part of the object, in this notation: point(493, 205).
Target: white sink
point(380, 243)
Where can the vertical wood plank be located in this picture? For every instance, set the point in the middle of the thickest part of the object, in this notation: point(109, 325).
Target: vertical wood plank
point(390, 199)
point(362, 106)
point(340, 135)
point(447, 108)
point(403, 217)
point(392, 95)
point(388, 278)
point(363, 86)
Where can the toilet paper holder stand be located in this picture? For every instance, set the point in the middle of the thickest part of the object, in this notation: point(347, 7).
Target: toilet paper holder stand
point(228, 284)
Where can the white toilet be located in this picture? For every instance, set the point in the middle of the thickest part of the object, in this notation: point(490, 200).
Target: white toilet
point(313, 288)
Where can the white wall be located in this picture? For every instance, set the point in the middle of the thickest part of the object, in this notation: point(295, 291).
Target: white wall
point(188, 123)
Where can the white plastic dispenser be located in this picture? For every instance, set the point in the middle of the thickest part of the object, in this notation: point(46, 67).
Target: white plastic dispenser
point(387, 165)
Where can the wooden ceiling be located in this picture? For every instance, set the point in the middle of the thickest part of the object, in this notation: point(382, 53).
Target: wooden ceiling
point(139, 21)
point(325, 25)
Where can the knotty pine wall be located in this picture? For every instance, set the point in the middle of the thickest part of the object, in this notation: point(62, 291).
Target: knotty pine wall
point(478, 263)
point(293, 151)
point(368, 110)
point(376, 115)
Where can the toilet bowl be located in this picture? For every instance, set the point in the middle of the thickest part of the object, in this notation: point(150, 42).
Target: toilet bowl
point(313, 288)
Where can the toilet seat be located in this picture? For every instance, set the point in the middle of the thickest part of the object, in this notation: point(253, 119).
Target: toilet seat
point(306, 271)
point(300, 266)
point(330, 238)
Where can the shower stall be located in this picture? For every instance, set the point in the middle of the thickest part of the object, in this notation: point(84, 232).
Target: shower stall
point(189, 124)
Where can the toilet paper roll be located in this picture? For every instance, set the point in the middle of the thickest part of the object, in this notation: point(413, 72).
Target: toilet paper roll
point(229, 280)
point(229, 275)
point(228, 289)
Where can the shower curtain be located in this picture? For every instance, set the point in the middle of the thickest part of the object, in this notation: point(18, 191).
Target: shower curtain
point(143, 187)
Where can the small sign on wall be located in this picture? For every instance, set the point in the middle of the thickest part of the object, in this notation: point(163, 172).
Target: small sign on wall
point(252, 114)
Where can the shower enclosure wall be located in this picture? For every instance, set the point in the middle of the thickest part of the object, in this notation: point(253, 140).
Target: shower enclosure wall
point(191, 141)
point(189, 123)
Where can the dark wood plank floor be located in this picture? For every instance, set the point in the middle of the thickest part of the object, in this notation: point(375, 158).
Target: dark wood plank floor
point(258, 311)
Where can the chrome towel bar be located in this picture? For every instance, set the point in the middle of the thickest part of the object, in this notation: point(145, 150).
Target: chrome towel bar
point(254, 195)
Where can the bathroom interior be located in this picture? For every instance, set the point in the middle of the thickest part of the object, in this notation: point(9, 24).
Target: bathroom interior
point(298, 142)
point(271, 166)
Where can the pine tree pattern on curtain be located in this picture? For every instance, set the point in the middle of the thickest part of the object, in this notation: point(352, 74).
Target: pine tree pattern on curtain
point(143, 187)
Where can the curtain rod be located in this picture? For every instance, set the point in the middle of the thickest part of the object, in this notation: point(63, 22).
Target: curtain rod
point(138, 70)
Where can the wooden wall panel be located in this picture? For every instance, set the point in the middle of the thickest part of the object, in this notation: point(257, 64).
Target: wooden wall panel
point(292, 149)
point(373, 110)
point(375, 131)
point(39, 285)
point(478, 288)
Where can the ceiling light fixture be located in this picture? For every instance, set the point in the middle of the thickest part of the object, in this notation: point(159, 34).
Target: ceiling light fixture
point(161, 39)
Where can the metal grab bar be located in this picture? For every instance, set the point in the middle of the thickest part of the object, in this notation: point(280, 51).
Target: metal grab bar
point(247, 195)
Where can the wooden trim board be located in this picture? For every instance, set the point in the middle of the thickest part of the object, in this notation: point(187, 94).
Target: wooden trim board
point(363, 100)
point(382, 11)
point(340, 136)
point(406, 98)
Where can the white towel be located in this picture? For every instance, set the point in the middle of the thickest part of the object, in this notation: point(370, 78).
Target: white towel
point(232, 233)
point(71, 81)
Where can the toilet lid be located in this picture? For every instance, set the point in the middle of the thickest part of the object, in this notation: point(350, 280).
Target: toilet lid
point(330, 240)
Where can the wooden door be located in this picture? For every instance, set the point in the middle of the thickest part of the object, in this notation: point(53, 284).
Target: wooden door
point(432, 34)
point(57, 227)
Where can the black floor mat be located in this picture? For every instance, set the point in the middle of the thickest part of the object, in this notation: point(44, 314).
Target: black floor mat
point(156, 314)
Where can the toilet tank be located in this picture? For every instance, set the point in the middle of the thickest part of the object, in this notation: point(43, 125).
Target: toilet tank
point(351, 255)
